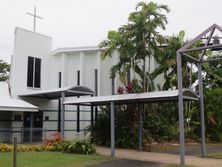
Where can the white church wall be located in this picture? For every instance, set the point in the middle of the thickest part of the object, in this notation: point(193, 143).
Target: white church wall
point(105, 87)
point(56, 67)
point(27, 43)
point(73, 65)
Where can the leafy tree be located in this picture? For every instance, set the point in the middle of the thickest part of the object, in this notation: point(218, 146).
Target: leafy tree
point(213, 110)
point(4, 70)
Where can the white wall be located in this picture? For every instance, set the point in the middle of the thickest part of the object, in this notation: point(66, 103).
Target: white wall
point(28, 43)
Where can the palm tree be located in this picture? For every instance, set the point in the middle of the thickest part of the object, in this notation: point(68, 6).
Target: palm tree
point(167, 61)
point(142, 27)
point(118, 40)
point(136, 41)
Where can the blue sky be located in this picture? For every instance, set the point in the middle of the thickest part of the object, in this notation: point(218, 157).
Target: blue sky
point(86, 22)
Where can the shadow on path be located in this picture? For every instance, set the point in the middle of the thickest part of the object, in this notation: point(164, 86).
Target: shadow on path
point(127, 163)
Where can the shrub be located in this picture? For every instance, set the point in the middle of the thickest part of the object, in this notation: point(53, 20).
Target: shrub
point(54, 139)
point(20, 148)
point(81, 147)
point(6, 148)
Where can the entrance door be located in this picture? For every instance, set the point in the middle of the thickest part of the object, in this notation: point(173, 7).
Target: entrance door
point(33, 134)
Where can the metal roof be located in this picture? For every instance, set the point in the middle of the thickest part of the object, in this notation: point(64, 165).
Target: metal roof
point(56, 92)
point(7, 103)
point(170, 95)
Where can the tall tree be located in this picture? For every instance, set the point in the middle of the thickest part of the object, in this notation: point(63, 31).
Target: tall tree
point(142, 26)
point(4, 70)
point(137, 41)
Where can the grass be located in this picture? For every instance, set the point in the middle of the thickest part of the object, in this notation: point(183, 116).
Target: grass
point(51, 159)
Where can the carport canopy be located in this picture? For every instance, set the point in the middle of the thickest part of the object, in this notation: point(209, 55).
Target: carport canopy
point(147, 97)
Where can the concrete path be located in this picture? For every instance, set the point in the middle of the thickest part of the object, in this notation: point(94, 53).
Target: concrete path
point(161, 157)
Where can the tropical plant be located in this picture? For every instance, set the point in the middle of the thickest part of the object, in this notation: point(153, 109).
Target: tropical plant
point(126, 123)
point(81, 147)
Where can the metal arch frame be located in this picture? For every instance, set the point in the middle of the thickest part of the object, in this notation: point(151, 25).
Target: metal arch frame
point(183, 52)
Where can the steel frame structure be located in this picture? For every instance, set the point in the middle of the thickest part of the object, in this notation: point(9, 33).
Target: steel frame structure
point(185, 52)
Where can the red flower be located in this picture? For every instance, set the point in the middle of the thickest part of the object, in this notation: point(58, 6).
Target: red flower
point(120, 90)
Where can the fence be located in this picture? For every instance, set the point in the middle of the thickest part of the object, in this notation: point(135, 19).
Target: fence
point(24, 135)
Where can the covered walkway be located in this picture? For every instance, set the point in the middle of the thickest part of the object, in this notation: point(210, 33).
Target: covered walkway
point(136, 98)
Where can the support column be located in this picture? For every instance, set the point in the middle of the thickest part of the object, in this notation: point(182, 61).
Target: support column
point(63, 114)
point(113, 86)
point(92, 118)
point(78, 119)
point(96, 94)
point(78, 107)
point(112, 123)
point(31, 128)
point(140, 132)
point(203, 143)
point(59, 104)
point(180, 106)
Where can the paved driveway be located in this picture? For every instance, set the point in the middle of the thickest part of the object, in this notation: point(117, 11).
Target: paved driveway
point(160, 157)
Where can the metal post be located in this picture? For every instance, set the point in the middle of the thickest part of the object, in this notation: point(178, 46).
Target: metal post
point(112, 129)
point(78, 119)
point(96, 114)
point(31, 128)
point(63, 114)
point(96, 93)
point(180, 106)
point(14, 152)
point(92, 119)
point(200, 78)
point(113, 86)
point(140, 133)
point(59, 115)
point(59, 104)
point(44, 134)
point(78, 107)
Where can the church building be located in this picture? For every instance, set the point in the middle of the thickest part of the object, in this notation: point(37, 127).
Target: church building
point(42, 78)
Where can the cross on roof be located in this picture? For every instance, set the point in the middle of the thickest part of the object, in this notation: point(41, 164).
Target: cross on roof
point(34, 18)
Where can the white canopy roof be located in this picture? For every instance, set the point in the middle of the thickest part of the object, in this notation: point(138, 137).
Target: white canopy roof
point(10, 104)
point(56, 92)
point(171, 95)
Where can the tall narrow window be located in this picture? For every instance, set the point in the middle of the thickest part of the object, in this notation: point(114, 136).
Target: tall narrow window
point(78, 77)
point(34, 72)
point(30, 71)
point(60, 79)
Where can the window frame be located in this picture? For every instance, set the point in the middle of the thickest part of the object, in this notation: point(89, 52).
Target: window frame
point(33, 83)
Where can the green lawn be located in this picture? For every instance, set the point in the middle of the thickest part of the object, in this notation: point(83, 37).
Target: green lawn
point(51, 159)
